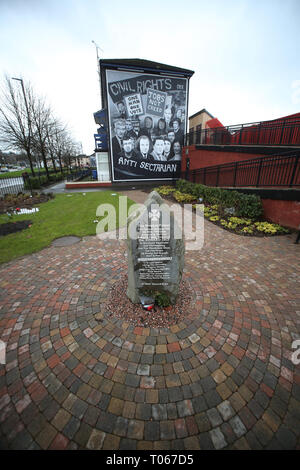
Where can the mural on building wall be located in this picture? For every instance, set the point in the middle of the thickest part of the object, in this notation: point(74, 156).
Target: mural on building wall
point(147, 119)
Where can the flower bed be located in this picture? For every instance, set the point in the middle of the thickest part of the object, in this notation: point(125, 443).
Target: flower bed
point(239, 213)
point(240, 225)
point(11, 202)
point(12, 227)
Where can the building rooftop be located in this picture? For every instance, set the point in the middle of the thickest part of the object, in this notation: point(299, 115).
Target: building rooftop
point(200, 112)
point(142, 64)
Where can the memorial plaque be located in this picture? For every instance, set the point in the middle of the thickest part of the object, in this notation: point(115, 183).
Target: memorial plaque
point(155, 256)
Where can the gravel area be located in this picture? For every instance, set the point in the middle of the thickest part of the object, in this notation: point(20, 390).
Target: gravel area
point(119, 306)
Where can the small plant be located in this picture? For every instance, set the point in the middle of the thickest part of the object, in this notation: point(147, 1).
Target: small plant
point(267, 227)
point(162, 300)
point(165, 190)
point(208, 212)
point(247, 230)
point(184, 198)
point(240, 221)
point(214, 218)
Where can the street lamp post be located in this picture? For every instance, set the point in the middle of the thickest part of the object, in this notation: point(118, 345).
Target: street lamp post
point(98, 67)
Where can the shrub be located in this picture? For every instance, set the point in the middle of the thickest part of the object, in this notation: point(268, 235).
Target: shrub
point(250, 206)
point(246, 205)
point(36, 182)
point(267, 227)
point(182, 197)
point(247, 230)
point(165, 190)
point(239, 221)
point(162, 300)
point(209, 212)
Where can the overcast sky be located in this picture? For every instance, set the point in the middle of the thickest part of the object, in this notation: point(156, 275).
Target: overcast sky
point(245, 53)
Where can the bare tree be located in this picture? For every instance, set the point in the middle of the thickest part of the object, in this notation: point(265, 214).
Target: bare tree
point(41, 122)
point(57, 137)
point(27, 124)
point(15, 119)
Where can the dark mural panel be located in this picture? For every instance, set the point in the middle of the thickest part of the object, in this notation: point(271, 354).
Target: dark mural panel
point(147, 119)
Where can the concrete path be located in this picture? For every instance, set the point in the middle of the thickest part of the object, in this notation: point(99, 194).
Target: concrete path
point(223, 378)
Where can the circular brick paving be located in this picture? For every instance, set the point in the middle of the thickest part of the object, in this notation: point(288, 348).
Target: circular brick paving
point(221, 378)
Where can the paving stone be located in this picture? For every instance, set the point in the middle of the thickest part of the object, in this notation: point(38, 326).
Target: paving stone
point(115, 406)
point(143, 411)
point(237, 426)
point(212, 398)
point(175, 394)
point(262, 432)
point(96, 440)
point(83, 434)
point(229, 435)
point(167, 430)
point(71, 427)
point(135, 429)
point(217, 438)
point(79, 407)
point(172, 411)
point(22, 441)
point(127, 444)
point(262, 398)
point(203, 422)
point(129, 409)
point(205, 441)
point(191, 443)
point(46, 436)
point(274, 444)
point(185, 408)
point(247, 417)
point(292, 423)
point(106, 422)
point(163, 396)
point(159, 412)
point(214, 417)
point(36, 425)
point(199, 404)
point(207, 384)
point(271, 419)
point(253, 442)
point(226, 410)
point(256, 409)
point(286, 438)
point(152, 430)
point(143, 369)
point(237, 402)
point(91, 416)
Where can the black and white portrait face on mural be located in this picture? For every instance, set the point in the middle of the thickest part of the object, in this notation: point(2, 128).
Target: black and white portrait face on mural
point(142, 107)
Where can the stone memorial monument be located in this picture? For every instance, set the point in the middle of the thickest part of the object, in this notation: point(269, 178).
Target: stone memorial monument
point(155, 253)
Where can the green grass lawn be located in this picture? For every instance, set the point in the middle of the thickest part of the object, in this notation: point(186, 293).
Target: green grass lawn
point(66, 214)
point(14, 174)
point(17, 173)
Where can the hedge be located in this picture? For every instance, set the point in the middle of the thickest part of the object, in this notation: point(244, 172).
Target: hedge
point(36, 182)
point(245, 205)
